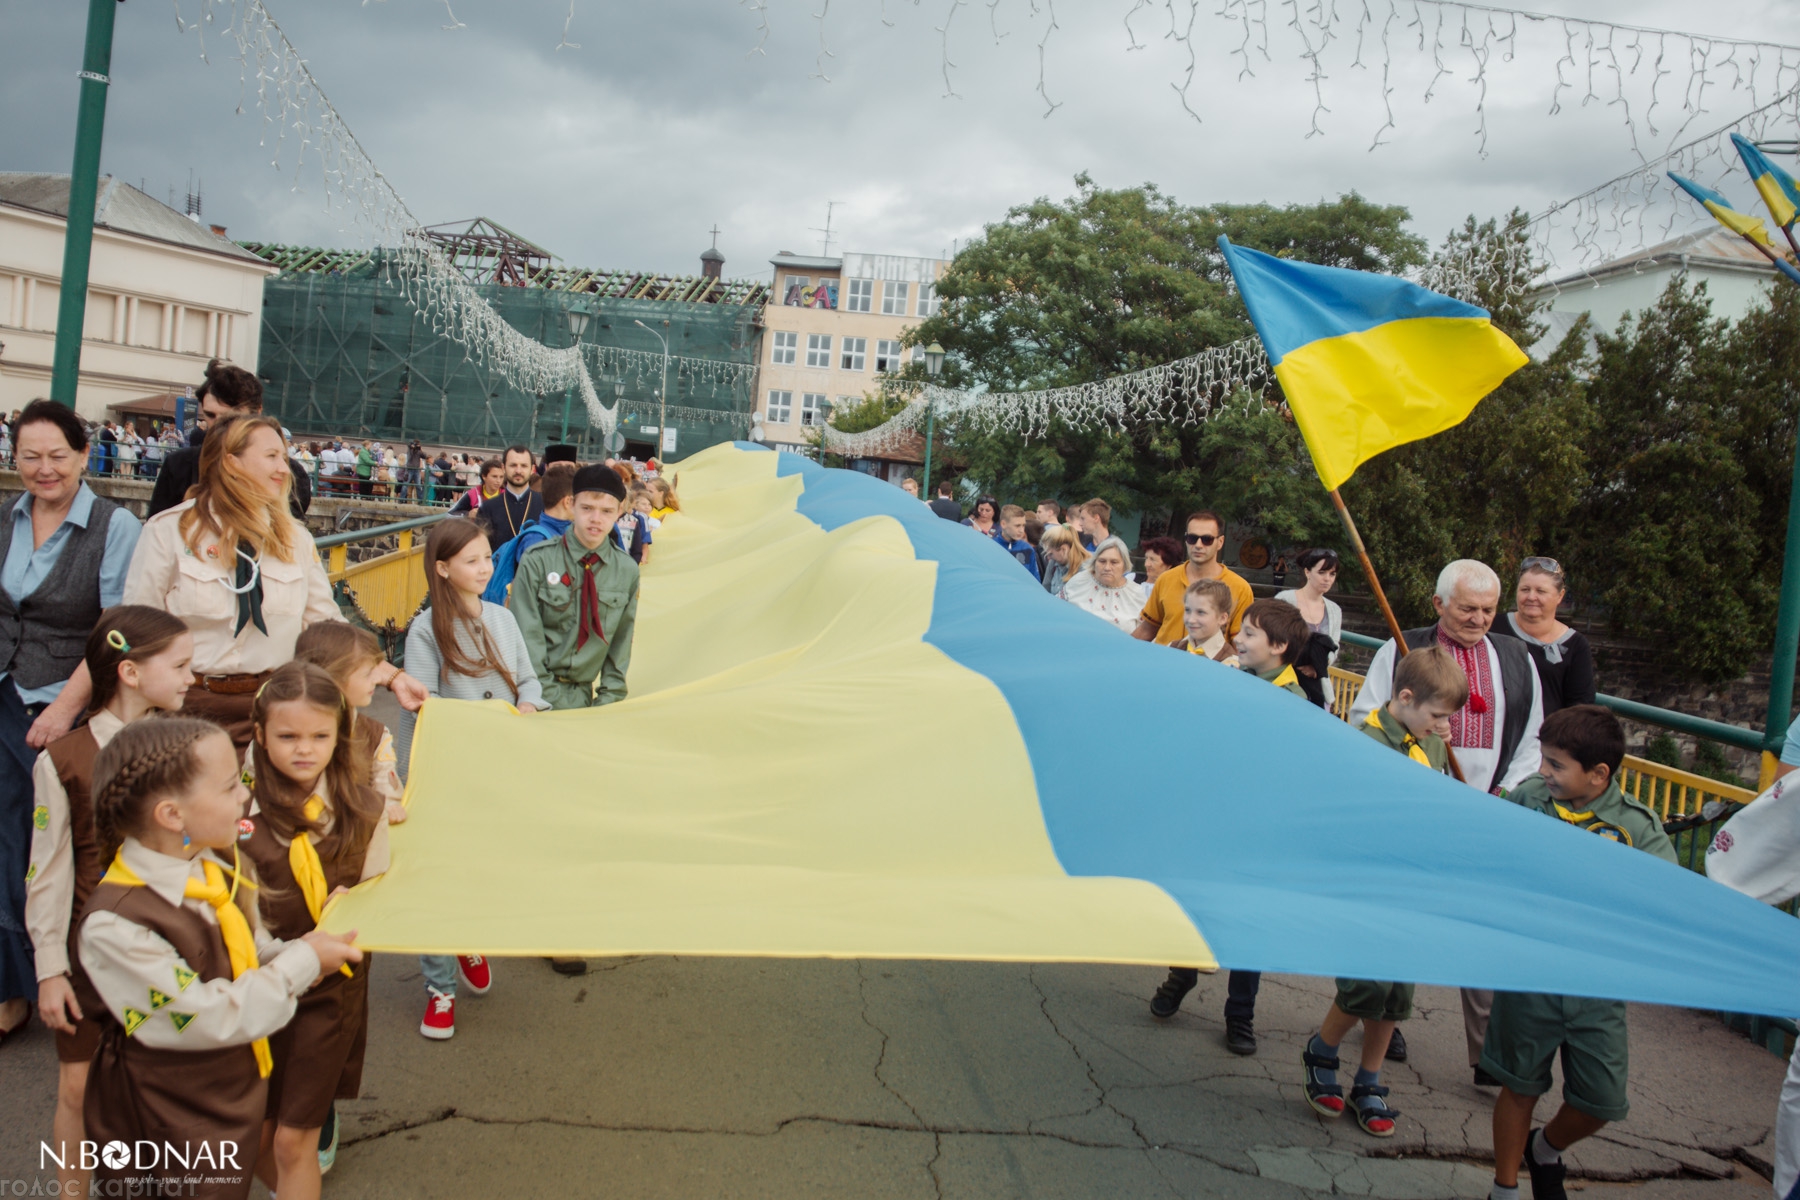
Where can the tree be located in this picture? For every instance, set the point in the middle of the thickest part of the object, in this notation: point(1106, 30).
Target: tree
point(1113, 281)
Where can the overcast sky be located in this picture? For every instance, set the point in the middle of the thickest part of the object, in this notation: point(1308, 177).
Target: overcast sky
point(624, 152)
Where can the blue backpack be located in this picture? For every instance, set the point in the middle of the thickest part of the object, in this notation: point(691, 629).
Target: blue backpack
point(506, 562)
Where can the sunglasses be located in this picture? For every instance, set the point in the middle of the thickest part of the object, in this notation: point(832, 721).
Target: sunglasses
point(1542, 564)
point(1205, 539)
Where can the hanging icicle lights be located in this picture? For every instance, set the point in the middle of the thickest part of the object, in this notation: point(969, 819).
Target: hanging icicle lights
point(1185, 392)
point(309, 134)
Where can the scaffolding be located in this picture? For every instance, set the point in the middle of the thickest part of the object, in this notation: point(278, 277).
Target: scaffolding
point(344, 355)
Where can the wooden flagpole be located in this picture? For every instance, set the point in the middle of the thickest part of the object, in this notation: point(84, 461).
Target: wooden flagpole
point(1400, 649)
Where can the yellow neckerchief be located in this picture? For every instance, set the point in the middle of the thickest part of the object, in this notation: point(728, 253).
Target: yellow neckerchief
point(487, 495)
point(309, 872)
point(661, 513)
point(1286, 677)
point(1411, 745)
point(1593, 824)
point(234, 927)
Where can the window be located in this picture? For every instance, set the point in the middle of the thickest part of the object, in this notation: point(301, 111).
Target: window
point(780, 409)
point(818, 350)
point(893, 298)
point(783, 353)
point(812, 408)
point(928, 300)
point(862, 292)
point(887, 356)
point(796, 284)
point(854, 351)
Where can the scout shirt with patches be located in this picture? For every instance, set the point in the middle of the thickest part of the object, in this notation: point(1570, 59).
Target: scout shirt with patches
point(1612, 814)
point(1386, 728)
point(156, 997)
point(546, 602)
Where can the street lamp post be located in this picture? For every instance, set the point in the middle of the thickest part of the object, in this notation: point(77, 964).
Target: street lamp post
point(578, 323)
point(662, 396)
point(934, 362)
point(84, 183)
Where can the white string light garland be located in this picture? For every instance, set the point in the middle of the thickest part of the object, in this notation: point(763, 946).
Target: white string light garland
point(294, 106)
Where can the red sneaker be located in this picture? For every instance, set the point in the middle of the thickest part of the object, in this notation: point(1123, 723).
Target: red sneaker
point(476, 975)
point(440, 1016)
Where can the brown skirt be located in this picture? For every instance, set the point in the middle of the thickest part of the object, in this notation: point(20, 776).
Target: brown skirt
point(232, 713)
point(206, 1105)
point(78, 1047)
point(319, 1055)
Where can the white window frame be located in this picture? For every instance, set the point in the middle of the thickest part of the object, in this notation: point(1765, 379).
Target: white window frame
point(855, 355)
point(928, 300)
point(812, 408)
point(859, 296)
point(785, 348)
point(818, 350)
point(894, 294)
point(889, 356)
point(780, 408)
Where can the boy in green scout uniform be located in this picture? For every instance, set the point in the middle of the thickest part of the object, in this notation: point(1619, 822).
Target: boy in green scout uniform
point(1428, 688)
point(1268, 642)
point(1577, 782)
point(575, 599)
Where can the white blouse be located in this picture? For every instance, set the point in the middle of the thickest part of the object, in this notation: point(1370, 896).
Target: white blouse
point(1118, 606)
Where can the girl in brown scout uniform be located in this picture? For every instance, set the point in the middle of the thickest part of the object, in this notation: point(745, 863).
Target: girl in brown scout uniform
point(352, 657)
point(316, 826)
point(173, 969)
point(137, 658)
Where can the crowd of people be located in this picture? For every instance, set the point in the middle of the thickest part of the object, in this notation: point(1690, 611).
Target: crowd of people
point(194, 775)
point(1507, 706)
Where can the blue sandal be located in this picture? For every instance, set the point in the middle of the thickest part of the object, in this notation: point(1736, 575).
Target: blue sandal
point(1326, 1099)
point(1377, 1120)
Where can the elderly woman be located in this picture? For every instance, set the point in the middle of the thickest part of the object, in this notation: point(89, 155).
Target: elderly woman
point(1063, 557)
point(64, 553)
point(1160, 553)
point(1563, 657)
point(1105, 588)
point(242, 572)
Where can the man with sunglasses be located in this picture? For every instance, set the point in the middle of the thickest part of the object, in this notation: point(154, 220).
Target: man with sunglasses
point(1161, 620)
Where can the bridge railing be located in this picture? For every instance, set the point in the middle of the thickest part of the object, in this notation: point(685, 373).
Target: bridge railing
point(386, 589)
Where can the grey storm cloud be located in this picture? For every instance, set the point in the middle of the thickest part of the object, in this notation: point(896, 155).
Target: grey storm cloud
point(667, 119)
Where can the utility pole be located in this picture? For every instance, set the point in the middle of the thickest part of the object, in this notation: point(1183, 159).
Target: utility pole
point(84, 184)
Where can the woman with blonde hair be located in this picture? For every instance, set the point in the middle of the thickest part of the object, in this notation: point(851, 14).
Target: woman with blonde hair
point(663, 499)
point(233, 562)
point(1063, 557)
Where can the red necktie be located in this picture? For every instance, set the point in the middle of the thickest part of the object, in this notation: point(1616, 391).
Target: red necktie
point(590, 604)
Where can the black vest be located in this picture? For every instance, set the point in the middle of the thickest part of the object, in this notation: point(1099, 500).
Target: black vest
point(1516, 671)
point(42, 637)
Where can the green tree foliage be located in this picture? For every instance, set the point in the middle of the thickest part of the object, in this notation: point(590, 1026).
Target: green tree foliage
point(1112, 281)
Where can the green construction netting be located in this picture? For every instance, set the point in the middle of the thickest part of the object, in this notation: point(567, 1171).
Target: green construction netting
point(345, 354)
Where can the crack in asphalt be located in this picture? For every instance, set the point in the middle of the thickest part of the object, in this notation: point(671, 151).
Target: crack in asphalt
point(937, 1138)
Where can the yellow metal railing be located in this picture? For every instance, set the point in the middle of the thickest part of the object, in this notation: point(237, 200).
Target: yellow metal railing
point(387, 590)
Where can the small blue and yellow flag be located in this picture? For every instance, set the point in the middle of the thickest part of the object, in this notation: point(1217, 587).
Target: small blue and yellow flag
point(1740, 223)
point(1776, 186)
point(1368, 362)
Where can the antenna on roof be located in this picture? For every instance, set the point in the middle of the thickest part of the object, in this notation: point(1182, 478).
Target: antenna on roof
point(193, 197)
point(825, 246)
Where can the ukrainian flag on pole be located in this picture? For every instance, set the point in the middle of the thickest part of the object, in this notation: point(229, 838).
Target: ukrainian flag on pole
point(1368, 362)
point(1740, 223)
point(1775, 185)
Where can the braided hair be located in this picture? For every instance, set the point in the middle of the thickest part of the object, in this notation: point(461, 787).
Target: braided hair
point(144, 762)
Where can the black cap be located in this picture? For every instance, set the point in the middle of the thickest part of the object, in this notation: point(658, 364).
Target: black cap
point(597, 478)
point(558, 452)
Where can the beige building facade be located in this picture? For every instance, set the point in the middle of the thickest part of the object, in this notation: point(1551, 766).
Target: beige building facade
point(833, 327)
point(165, 294)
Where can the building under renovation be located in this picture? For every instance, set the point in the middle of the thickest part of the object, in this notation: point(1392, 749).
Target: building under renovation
point(344, 353)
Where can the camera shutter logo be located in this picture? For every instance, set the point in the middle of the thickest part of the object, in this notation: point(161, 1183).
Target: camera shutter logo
point(115, 1154)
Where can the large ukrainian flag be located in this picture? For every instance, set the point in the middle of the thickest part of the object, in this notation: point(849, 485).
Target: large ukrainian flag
point(857, 730)
point(1367, 362)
